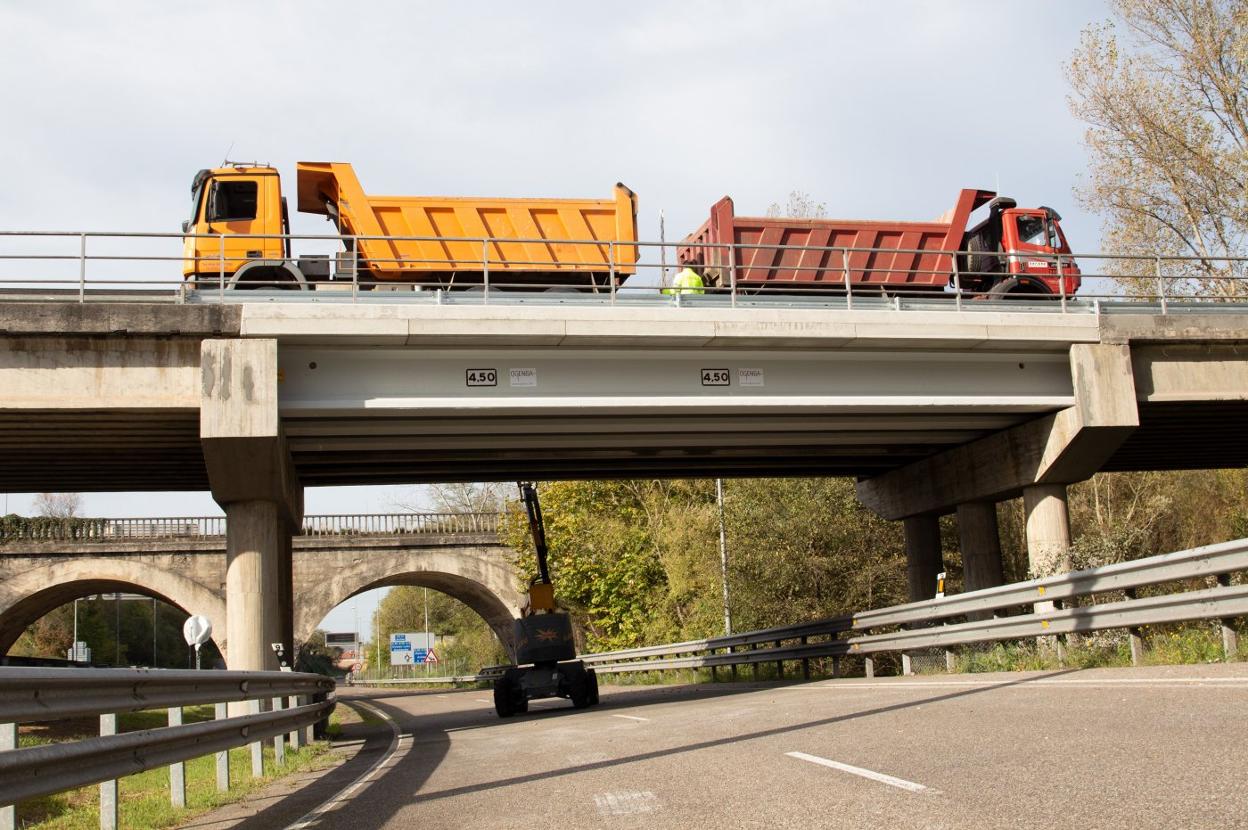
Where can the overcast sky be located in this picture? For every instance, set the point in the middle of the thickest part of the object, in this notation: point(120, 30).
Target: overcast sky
point(879, 110)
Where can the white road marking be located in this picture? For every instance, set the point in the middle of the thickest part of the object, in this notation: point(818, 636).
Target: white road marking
point(631, 717)
point(482, 700)
point(441, 695)
point(626, 803)
point(392, 756)
point(899, 783)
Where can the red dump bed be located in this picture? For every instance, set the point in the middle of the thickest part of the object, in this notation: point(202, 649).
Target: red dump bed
point(907, 256)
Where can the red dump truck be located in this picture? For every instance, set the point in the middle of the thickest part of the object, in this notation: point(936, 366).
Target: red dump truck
point(1013, 252)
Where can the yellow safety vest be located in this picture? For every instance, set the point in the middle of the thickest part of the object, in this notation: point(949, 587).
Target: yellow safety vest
point(688, 281)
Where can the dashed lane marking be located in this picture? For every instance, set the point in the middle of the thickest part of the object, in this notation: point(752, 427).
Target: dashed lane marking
point(631, 717)
point(1024, 683)
point(899, 783)
point(626, 803)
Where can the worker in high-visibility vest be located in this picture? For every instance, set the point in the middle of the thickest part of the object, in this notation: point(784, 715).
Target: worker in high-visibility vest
point(688, 281)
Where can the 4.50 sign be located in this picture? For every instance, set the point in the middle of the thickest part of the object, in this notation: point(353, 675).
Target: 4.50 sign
point(481, 377)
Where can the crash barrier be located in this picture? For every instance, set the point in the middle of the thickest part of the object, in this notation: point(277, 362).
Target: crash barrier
point(294, 703)
point(988, 615)
point(1048, 608)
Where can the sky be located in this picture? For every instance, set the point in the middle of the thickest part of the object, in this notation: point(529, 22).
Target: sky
point(878, 110)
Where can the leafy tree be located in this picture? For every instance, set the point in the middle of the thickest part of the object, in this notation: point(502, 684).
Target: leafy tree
point(1167, 108)
point(798, 205)
point(465, 637)
point(58, 505)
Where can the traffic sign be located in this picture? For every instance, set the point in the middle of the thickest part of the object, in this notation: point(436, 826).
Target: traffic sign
point(431, 656)
point(197, 630)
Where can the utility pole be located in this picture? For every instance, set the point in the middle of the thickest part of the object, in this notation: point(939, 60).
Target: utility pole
point(723, 555)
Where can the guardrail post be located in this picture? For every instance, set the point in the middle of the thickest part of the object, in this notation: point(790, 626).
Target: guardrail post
point(754, 664)
point(906, 668)
point(108, 789)
point(1230, 639)
point(868, 667)
point(8, 740)
point(257, 747)
point(779, 665)
point(279, 740)
point(177, 771)
point(295, 737)
point(836, 667)
point(220, 712)
point(309, 735)
point(1135, 636)
point(805, 662)
point(951, 661)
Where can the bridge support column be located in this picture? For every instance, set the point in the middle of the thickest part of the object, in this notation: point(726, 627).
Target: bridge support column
point(253, 479)
point(1048, 546)
point(923, 560)
point(980, 540)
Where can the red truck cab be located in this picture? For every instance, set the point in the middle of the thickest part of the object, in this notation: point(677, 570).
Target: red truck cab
point(1018, 251)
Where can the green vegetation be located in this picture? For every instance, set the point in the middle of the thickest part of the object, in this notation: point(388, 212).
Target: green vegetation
point(144, 798)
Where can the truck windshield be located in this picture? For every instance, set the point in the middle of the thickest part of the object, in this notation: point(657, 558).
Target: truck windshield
point(196, 192)
point(1032, 230)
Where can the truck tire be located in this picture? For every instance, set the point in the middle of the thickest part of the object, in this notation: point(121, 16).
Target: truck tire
point(981, 259)
point(1016, 288)
point(579, 689)
point(503, 699)
point(593, 687)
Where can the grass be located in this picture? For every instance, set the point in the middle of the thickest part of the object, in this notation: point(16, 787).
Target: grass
point(143, 799)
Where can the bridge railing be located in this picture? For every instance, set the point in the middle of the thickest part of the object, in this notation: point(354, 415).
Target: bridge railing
point(1090, 600)
point(283, 706)
point(76, 266)
point(45, 529)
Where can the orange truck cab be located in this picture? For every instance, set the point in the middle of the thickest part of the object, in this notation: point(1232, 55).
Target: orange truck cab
point(1017, 251)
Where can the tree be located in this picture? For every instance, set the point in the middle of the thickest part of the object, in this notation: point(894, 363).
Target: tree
point(468, 497)
point(466, 638)
point(799, 205)
point(1167, 109)
point(58, 505)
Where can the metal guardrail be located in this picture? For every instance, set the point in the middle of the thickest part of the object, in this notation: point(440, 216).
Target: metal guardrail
point(42, 529)
point(27, 695)
point(923, 619)
point(114, 265)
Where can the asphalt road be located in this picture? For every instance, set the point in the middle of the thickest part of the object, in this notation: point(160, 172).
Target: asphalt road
point(1142, 748)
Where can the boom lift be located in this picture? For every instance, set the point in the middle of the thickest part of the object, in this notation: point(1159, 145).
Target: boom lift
point(546, 664)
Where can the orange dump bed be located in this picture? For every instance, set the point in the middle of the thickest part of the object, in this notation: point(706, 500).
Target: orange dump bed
point(453, 227)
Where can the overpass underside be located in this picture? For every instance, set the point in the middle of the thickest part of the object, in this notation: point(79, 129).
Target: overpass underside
point(934, 412)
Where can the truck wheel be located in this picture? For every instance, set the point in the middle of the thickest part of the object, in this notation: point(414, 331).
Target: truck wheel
point(503, 700)
point(578, 690)
point(1015, 288)
point(980, 258)
point(592, 677)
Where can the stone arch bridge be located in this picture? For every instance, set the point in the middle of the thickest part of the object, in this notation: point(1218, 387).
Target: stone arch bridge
point(183, 562)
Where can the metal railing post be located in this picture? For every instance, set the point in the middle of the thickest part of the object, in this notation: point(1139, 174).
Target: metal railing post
point(82, 268)
point(1230, 638)
point(221, 712)
point(485, 268)
point(221, 265)
point(1061, 282)
point(611, 268)
point(849, 290)
point(355, 269)
point(957, 282)
point(177, 770)
point(732, 274)
point(8, 740)
point(108, 789)
point(1161, 283)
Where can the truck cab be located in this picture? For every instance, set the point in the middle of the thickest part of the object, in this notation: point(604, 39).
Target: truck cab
point(1018, 252)
point(234, 233)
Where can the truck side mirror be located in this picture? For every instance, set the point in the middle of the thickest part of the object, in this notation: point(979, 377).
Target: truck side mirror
point(186, 225)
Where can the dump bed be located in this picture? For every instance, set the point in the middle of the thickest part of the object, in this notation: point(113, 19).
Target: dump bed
point(450, 223)
point(899, 256)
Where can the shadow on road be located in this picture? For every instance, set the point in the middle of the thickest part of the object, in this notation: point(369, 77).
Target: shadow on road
point(432, 733)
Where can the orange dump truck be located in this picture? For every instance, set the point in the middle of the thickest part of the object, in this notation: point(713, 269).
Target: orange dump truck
point(430, 241)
